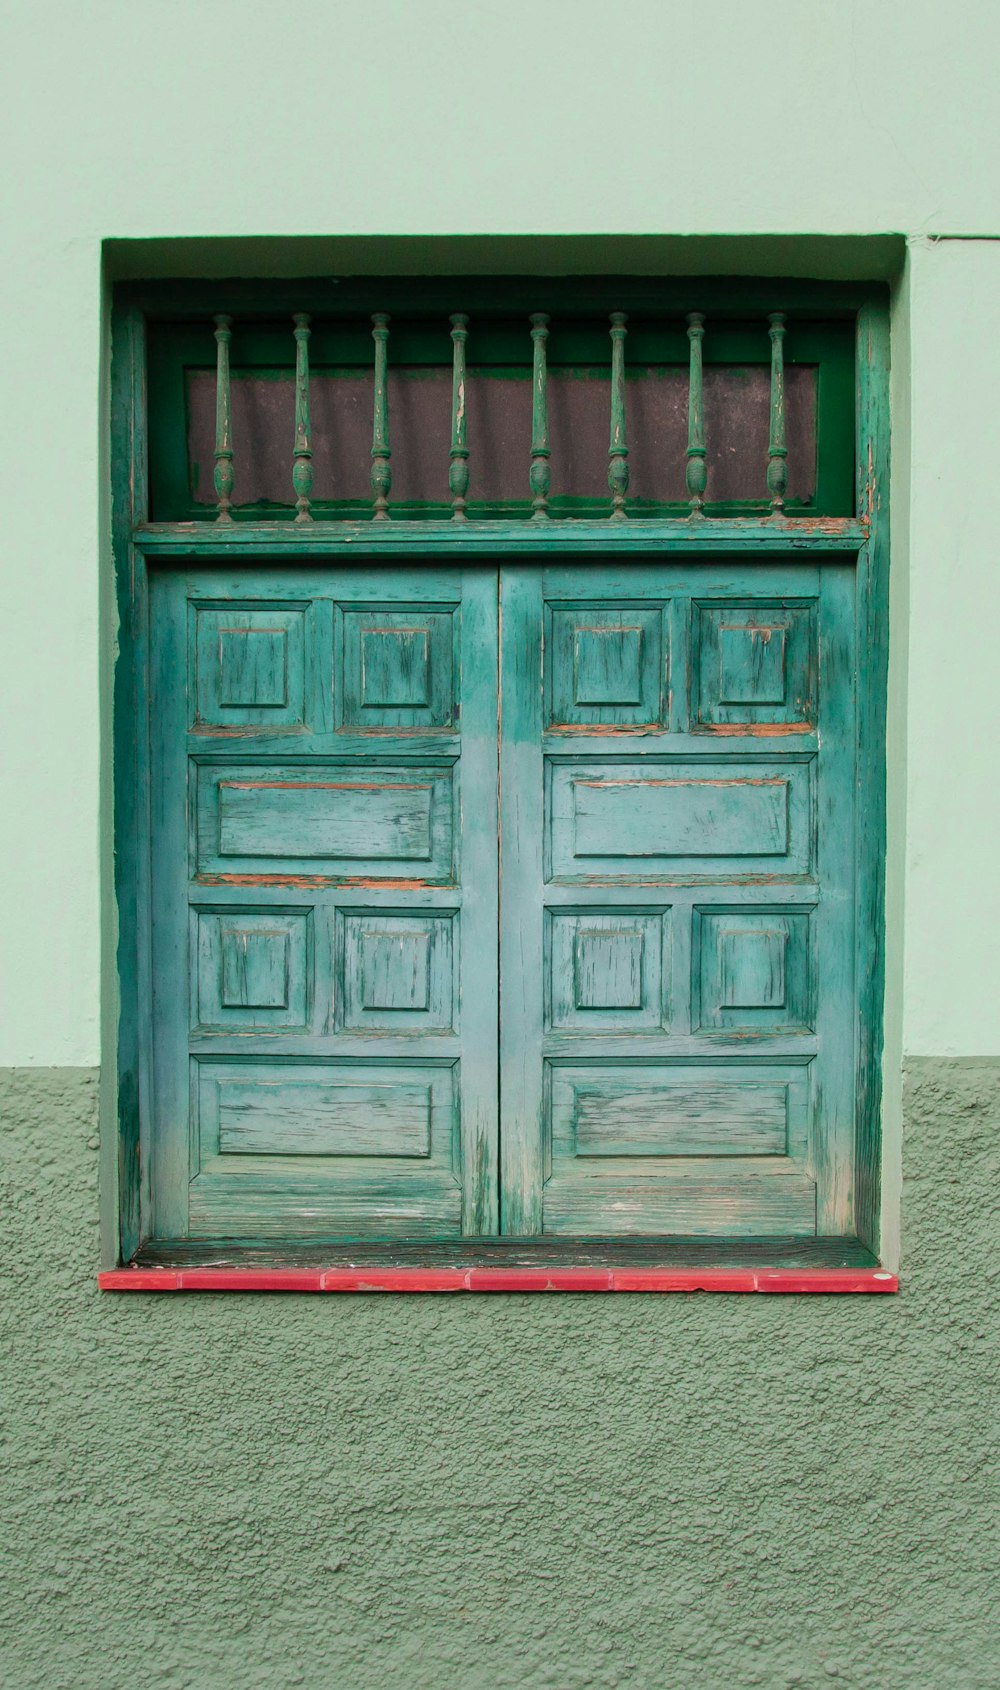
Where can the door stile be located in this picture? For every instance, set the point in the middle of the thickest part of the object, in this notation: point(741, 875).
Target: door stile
point(522, 1151)
point(170, 821)
point(478, 832)
point(834, 1105)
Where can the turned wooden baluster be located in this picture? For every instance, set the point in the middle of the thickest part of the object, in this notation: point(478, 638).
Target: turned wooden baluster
point(696, 470)
point(302, 469)
point(225, 477)
point(540, 474)
point(381, 467)
point(618, 451)
point(458, 457)
point(777, 450)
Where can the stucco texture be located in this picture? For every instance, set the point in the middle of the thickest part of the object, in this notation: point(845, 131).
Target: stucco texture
point(498, 1492)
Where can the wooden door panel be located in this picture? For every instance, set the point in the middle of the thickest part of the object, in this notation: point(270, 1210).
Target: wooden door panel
point(325, 1041)
point(677, 996)
point(329, 821)
point(616, 820)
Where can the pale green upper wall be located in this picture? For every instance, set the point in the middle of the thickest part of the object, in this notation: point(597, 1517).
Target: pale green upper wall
point(250, 116)
point(255, 119)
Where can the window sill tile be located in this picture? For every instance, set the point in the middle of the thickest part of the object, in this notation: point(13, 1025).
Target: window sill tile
point(797, 1281)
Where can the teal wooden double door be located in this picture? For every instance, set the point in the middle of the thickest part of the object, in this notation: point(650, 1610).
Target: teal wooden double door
point(502, 900)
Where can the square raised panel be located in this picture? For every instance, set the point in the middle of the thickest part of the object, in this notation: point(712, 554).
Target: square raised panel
point(752, 970)
point(606, 970)
point(753, 668)
point(398, 670)
point(605, 666)
point(397, 971)
point(251, 970)
point(249, 669)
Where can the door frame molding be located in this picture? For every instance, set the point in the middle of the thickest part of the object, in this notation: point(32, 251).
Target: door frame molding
point(136, 542)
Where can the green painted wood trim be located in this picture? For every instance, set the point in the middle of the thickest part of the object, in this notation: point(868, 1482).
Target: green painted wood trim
point(540, 474)
point(458, 457)
point(873, 422)
point(128, 505)
point(499, 296)
point(225, 478)
point(777, 450)
point(261, 349)
point(497, 538)
point(302, 471)
point(618, 449)
point(381, 466)
point(134, 537)
point(696, 469)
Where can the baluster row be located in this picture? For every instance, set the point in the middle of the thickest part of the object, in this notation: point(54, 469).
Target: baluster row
point(539, 473)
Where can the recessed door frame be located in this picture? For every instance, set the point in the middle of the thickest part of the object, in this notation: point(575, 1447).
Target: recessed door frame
point(136, 543)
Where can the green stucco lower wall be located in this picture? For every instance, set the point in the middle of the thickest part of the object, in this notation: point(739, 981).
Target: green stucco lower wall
point(499, 1493)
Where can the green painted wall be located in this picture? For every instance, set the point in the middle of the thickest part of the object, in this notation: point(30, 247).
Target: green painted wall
point(499, 1492)
point(153, 123)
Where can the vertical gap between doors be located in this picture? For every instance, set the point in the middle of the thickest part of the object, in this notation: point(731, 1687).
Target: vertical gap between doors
point(499, 675)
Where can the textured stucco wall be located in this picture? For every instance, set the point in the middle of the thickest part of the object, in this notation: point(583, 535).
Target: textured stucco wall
point(499, 1493)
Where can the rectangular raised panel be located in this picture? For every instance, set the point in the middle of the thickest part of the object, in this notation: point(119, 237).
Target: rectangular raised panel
point(251, 970)
point(605, 666)
point(398, 670)
point(752, 970)
point(314, 818)
point(249, 668)
point(753, 667)
point(312, 1117)
point(627, 821)
point(335, 821)
point(629, 1109)
point(322, 1109)
point(671, 817)
point(397, 971)
point(606, 970)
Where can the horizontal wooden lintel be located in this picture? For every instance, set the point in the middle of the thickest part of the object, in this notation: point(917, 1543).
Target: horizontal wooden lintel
point(794, 1280)
point(496, 537)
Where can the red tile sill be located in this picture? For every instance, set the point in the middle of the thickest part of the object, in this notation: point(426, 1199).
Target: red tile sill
point(795, 1280)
